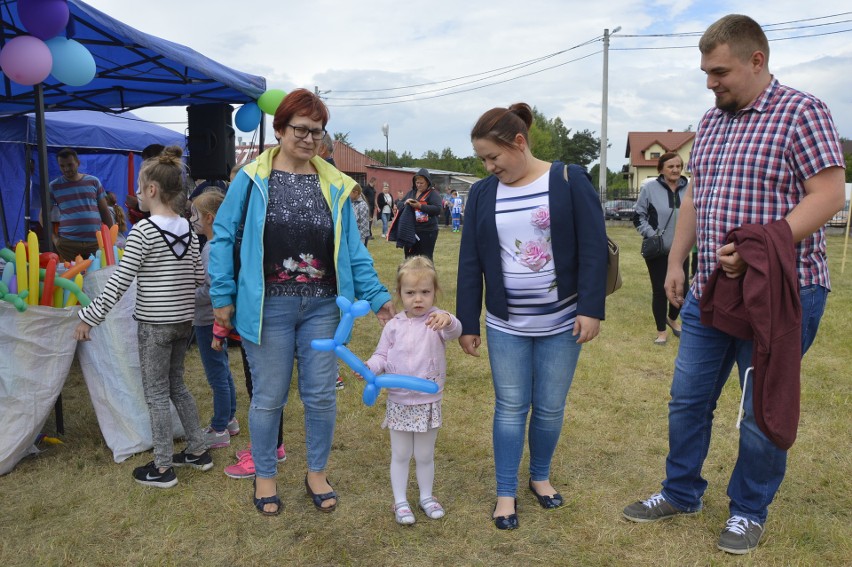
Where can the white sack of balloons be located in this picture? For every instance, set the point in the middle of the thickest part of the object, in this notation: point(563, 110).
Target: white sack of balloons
point(29, 59)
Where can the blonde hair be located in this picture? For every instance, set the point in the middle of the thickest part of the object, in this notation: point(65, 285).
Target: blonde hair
point(209, 202)
point(416, 266)
point(168, 171)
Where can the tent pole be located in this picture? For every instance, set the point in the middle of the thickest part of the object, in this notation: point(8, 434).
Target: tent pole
point(28, 186)
point(47, 232)
point(262, 133)
point(3, 222)
point(41, 135)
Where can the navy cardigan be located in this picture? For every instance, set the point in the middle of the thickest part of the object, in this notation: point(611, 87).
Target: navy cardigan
point(578, 240)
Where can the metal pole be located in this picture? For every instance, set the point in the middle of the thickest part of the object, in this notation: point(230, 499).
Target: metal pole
point(44, 181)
point(602, 174)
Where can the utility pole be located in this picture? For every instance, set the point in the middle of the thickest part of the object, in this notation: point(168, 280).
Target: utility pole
point(602, 174)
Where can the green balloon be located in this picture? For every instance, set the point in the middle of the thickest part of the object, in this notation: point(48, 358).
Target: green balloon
point(269, 101)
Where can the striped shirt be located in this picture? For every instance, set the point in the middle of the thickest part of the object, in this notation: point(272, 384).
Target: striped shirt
point(749, 167)
point(167, 268)
point(522, 215)
point(79, 217)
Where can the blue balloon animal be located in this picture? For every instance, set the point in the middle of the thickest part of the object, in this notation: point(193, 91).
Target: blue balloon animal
point(351, 311)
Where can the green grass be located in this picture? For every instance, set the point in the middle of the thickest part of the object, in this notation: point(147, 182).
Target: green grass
point(73, 505)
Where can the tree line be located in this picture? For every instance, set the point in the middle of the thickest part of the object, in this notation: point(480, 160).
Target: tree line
point(550, 140)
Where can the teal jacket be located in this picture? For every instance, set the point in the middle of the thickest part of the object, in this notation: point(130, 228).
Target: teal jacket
point(356, 277)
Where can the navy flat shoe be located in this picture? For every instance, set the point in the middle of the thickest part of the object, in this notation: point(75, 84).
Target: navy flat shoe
point(318, 499)
point(259, 503)
point(547, 502)
point(509, 522)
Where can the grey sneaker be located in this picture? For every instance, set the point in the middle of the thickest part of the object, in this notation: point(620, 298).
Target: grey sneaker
point(653, 509)
point(740, 535)
point(216, 439)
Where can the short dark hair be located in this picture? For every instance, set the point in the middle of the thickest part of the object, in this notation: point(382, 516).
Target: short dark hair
point(666, 157)
point(65, 153)
point(152, 150)
point(743, 36)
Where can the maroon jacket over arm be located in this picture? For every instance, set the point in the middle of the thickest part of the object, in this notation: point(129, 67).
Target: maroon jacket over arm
point(764, 306)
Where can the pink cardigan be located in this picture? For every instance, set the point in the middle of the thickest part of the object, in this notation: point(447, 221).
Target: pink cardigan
point(410, 348)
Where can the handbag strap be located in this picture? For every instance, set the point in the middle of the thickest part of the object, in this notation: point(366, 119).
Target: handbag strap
point(667, 223)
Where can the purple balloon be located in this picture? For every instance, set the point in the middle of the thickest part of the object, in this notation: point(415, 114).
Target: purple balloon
point(43, 18)
point(26, 60)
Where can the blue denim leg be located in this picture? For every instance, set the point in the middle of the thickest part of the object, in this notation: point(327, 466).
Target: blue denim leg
point(385, 221)
point(289, 325)
point(219, 377)
point(704, 362)
point(761, 465)
point(528, 371)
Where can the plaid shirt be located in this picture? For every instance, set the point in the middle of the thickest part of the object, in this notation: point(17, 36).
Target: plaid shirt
point(749, 167)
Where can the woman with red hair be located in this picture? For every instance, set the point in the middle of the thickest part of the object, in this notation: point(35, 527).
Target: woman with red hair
point(300, 249)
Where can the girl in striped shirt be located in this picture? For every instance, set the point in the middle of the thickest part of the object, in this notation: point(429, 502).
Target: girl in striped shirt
point(162, 254)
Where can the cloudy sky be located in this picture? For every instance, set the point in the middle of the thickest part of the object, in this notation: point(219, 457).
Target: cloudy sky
point(430, 69)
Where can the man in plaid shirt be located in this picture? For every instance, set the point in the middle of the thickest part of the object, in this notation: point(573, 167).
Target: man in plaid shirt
point(764, 153)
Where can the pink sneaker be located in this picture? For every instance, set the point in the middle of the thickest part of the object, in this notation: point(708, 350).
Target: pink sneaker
point(281, 453)
point(244, 467)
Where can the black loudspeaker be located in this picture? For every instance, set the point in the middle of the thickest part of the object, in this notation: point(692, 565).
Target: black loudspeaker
point(211, 141)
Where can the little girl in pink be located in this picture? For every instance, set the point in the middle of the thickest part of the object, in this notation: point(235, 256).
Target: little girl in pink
point(413, 343)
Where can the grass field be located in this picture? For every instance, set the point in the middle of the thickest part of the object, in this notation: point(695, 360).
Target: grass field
point(72, 505)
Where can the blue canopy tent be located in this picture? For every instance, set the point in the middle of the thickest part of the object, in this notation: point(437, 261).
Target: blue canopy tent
point(109, 147)
point(134, 70)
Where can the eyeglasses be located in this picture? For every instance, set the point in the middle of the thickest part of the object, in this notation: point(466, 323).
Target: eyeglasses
point(301, 132)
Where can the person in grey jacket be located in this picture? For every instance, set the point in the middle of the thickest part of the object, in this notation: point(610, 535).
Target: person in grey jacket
point(656, 212)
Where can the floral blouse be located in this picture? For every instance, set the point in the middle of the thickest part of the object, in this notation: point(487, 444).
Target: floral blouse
point(298, 240)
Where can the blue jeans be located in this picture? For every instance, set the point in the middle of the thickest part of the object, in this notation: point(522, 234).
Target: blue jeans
point(704, 362)
point(528, 372)
point(385, 220)
point(219, 377)
point(289, 326)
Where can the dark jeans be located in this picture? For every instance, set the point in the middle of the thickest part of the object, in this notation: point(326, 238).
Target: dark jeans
point(425, 246)
point(659, 303)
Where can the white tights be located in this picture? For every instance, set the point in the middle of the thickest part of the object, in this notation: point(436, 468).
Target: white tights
point(404, 445)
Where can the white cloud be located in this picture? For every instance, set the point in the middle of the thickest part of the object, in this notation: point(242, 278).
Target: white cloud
point(382, 44)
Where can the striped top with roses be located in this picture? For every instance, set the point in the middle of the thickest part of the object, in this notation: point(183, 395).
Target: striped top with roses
point(523, 226)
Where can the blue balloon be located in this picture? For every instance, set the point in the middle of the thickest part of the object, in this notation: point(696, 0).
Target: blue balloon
point(407, 382)
point(247, 118)
point(374, 383)
point(73, 64)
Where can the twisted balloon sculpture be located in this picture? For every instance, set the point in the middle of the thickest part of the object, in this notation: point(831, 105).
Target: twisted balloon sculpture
point(351, 311)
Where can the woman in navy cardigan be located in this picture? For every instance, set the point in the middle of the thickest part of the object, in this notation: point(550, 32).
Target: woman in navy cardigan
point(544, 293)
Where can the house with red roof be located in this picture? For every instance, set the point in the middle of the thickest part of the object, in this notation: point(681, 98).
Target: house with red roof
point(644, 149)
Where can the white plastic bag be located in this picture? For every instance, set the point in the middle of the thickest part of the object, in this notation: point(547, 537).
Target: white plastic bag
point(110, 363)
point(36, 351)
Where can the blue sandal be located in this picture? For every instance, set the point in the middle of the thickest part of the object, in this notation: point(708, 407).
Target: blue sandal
point(318, 499)
point(259, 503)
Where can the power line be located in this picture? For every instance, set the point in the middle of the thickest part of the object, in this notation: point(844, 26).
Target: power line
point(470, 89)
point(520, 65)
point(500, 71)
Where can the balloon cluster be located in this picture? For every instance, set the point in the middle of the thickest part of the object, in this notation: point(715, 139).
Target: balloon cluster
point(337, 344)
point(29, 59)
point(30, 278)
point(248, 116)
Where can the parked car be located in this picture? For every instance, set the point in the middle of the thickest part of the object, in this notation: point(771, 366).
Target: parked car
point(619, 209)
